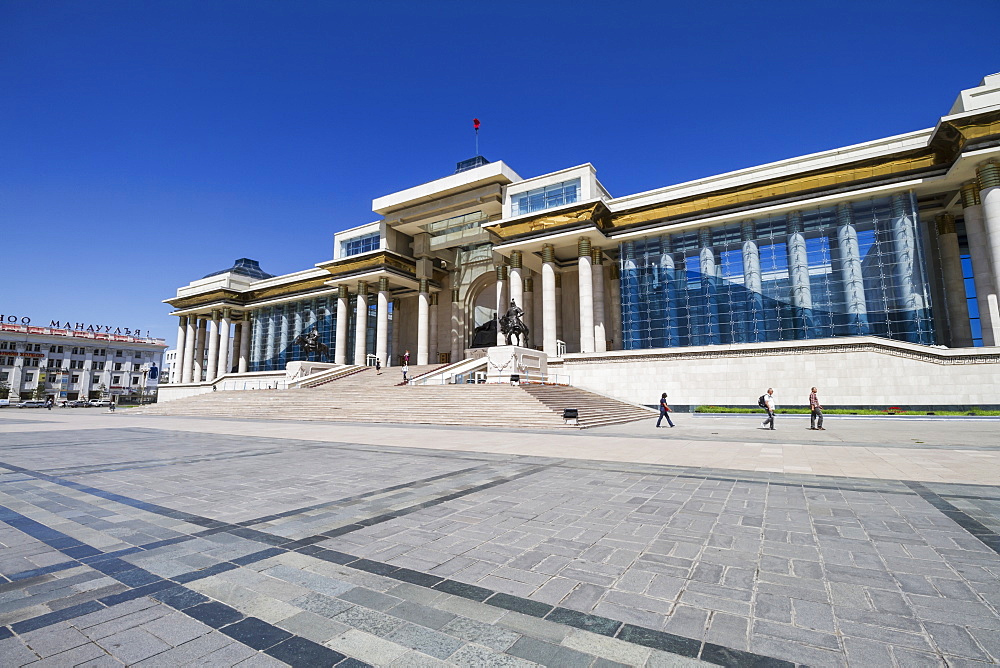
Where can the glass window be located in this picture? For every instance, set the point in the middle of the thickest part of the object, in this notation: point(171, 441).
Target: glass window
point(548, 197)
point(357, 245)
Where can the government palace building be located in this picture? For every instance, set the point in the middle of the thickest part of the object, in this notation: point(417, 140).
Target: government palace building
point(871, 271)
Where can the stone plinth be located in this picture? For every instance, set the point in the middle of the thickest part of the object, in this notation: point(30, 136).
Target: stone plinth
point(504, 361)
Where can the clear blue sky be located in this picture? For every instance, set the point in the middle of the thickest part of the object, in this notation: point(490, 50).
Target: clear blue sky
point(146, 144)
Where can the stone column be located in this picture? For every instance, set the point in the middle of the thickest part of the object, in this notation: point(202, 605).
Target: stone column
point(177, 370)
point(559, 311)
point(586, 281)
point(456, 323)
point(187, 370)
point(849, 257)
point(394, 347)
point(199, 350)
point(225, 342)
point(516, 281)
point(246, 328)
point(270, 350)
point(798, 277)
point(709, 281)
point(432, 342)
point(600, 332)
point(237, 341)
point(752, 283)
point(904, 244)
point(340, 342)
point(549, 300)
point(529, 309)
point(988, 181)
point(361, 324)
point(960, 333)
point(283, 339)
point(982, 272)
point(503, 302)
point(213, 347)
point(616, 306)
point(382, 321)
point(423, 322)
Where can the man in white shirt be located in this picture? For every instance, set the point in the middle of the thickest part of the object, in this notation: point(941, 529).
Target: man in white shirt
point(769, 405)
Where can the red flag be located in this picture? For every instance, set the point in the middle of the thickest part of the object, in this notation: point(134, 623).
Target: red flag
point(475, 124)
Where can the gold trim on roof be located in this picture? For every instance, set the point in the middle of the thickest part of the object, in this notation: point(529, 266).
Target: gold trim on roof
point(594, 212)
point(373, 262)
point(206, 298)
point(797, 184)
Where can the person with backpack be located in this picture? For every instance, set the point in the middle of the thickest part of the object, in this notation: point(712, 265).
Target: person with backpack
point(766, 402)
point(664, 411)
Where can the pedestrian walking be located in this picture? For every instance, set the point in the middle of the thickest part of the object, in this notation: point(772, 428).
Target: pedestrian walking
point(406, 370)
point(815, 412)
point(767, 403)
point(48, 403)
point(406, 358)
point(378, 366)
point(111, 406)
point(664, 411)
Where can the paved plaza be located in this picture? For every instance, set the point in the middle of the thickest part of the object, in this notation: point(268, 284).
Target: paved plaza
point(163, 541)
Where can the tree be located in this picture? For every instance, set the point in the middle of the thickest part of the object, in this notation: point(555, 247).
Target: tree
point(4, 390)
point(39, 392)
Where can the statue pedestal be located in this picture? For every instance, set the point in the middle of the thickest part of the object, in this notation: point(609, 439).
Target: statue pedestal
point(526, 364)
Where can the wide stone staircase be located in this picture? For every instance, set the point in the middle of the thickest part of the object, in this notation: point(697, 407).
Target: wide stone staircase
point(367, 397)
point(594, 410)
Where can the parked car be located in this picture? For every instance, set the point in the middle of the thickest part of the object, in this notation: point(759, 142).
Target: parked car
point(31, 403)
point(78, 403)
point(100, 402)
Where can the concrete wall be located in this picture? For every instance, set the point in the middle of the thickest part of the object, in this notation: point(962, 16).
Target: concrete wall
point(849, 372)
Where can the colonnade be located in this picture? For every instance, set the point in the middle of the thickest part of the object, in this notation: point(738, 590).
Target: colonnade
point(515, 283)
point(981, 212)
point(206, 344)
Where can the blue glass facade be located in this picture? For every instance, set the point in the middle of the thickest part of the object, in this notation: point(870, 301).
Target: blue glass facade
point(854, 269)
point(275, 329)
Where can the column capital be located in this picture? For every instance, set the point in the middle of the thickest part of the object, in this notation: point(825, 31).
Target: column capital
point(383, 284)
point(227, 313)
point(583, 247)
point(215, 314)
point(455, 295)
point(747, 232)
point(342, 292)
point(945, 223)
point(362, 289)
point(501, 272)
point(516, 259)
point(424, 285)
point(558, 280)
point(597, 255)
point(529, 284)
point(614, 272)
point(970, 194)
point(794, 222)
point(845, 214)
point(434, 298)
point(548, 253)
point(988, 174)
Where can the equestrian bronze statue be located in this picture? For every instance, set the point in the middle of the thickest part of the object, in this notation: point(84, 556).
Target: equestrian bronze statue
point(511, 325)
point(311, 345)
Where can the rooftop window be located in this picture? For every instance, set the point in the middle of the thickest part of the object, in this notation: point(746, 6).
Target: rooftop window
point(358, 245)
point(548, 197)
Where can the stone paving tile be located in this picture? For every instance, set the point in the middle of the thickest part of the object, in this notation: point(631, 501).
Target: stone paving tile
point(800, 568)
point(367, 647)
